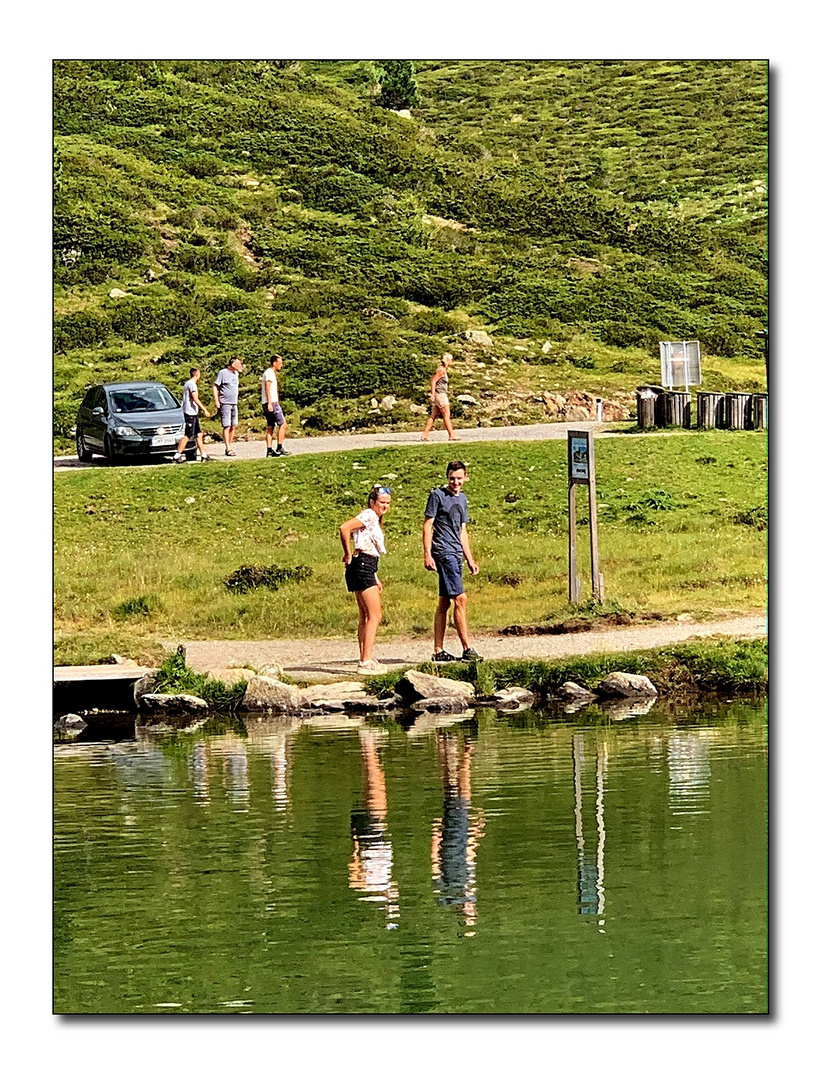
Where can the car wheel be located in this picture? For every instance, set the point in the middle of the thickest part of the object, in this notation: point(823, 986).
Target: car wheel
point(111, 457)
point(82, 452)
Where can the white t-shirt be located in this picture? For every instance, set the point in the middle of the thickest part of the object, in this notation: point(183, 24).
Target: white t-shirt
point(269, 376)
point(370, 539)
point(190, 387)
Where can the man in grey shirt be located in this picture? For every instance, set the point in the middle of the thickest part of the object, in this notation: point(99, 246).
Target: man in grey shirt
point(192, 428)
point(225, 390)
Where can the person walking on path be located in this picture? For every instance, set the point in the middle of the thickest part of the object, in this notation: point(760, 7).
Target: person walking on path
point(446, 543)
point(440, 405)
point(272, 410)
point(225, 390)
point(362, 572)
point(192, 426)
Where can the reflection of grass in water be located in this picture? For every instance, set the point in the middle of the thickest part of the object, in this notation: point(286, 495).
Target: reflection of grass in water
point(668, 509)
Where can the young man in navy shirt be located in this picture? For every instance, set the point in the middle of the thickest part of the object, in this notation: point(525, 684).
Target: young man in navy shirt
point(446, 542)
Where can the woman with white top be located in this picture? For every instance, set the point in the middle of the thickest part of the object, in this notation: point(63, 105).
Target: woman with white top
point(362, 572)
point(440, 403)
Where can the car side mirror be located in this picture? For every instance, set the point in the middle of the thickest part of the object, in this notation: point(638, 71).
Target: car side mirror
point(98, 411)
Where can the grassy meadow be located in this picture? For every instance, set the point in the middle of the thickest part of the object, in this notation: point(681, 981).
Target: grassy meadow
point(142, 554)
point(259, 206)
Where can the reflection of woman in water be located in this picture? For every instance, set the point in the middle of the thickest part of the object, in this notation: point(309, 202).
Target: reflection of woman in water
point(454, 838)
point(371, 865)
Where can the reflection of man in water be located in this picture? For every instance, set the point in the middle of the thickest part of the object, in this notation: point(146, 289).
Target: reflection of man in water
point(371, 865)
point(454, 837)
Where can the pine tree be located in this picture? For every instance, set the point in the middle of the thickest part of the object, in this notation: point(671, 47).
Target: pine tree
point(399, 89)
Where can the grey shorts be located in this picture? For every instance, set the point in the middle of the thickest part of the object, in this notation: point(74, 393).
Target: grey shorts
point(450, 570)
point(274, 417)
point(229, 415)
point(441, 401)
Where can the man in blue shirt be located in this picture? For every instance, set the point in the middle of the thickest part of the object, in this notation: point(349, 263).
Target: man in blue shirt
point(446, 542)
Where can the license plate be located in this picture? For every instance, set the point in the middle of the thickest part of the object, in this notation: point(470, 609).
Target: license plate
point(164, 440)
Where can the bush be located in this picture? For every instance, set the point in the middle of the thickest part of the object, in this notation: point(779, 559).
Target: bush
point(202, 258)
point(145, 319)
point(80, 330)
point(756, 518)
point(268, 577)
point(134, 607)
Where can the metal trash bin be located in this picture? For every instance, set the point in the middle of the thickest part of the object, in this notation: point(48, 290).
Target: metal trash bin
point(676, 408)
point(756, 414)
point(735, 411)
point(647, 405)
point(710, 408)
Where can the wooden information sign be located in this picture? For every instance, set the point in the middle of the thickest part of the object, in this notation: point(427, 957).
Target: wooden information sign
point(581, 470)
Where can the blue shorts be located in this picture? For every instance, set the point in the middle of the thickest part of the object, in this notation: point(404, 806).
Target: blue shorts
point(229, 415)
point(450, 570)
point(274, 417)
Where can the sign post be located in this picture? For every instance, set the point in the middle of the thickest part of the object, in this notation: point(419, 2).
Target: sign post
point(581, 470)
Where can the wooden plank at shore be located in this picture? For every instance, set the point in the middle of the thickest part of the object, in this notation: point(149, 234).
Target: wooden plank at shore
point(97, 672)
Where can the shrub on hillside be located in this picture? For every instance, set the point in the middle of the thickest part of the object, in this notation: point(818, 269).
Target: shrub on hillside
point(79, 330)
point(147, 318)
point(200, 258)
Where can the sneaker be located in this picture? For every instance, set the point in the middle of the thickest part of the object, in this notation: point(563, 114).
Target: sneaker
point(282, 452)
point(471, 654)
point(270, 453)
point(179, 458)
point(229, 453)
point(442, 657)
point(204, 457)
point(371, 667)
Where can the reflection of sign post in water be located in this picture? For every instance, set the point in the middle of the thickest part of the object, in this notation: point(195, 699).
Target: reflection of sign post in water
point(581, 470)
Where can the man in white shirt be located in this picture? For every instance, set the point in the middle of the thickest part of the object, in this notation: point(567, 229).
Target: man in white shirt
point(272, 410)
point(192, 428)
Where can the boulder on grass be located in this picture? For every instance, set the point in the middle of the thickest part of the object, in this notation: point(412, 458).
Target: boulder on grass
point(513, 696)
point(266, 693)
point(624, 685)
point(173, 704)
point(230, 676)
point(70, 724)
point(417, 686)
point(336, 696)
point(575, 692)
point(440, 704)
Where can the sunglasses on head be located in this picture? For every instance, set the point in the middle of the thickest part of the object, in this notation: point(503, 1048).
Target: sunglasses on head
point(379, 490)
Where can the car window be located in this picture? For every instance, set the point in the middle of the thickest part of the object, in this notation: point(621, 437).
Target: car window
point(142, 399)
point(89, 398)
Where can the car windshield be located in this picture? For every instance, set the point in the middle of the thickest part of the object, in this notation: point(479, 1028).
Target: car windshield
point(142, 399)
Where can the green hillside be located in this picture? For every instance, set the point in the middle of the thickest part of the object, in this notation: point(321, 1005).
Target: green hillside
point(254, 207)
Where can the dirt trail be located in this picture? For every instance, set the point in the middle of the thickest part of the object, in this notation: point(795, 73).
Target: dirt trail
point(250, 450)
point(325, 659)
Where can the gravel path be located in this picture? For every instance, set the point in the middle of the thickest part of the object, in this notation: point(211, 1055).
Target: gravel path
point(324, 659)
point(324, 444)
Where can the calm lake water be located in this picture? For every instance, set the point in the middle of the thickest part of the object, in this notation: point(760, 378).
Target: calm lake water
point(529, 863)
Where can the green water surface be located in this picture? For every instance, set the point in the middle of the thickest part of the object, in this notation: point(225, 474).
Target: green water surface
point(533, 863)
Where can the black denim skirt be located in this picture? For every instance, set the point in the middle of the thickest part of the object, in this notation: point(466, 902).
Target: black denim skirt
point(360, 573)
